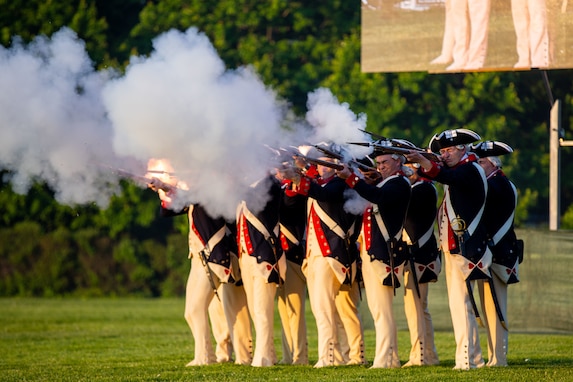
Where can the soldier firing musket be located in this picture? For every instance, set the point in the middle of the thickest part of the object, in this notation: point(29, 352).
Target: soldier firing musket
point(210, 295)
point(156, 179)
point(467, 256)
point(505, 247)
point(424, 265)
point(383, 252)
point(331, 255)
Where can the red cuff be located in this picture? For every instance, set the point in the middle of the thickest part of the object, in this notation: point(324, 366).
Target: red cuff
point(433, 172)
point(352, 180)
point(290, 192)
point(312, 172)
point(287, 184)
point(304, 186)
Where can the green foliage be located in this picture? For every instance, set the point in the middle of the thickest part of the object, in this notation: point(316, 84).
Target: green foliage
point(17, 256)
point(289, 43)
point(28, 19)
point(525, 200)
point(101, 252)
point(567, 219)
point(177, 265)
point(120, 16)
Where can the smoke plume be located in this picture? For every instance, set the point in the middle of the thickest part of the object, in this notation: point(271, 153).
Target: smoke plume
point(182, 104)
point(53, 124)
point(69, 125)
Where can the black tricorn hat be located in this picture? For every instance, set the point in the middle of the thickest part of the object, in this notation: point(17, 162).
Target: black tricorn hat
point(367, 161)
point(379, 145)
point(491, 149)
point(449, 138)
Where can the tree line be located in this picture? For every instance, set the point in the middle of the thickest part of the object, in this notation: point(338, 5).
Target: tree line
point(295, 46)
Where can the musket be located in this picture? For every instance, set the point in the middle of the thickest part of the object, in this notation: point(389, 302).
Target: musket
point(320, 162)
point(374, 135)
point(401, 150)
point(205, 262)
point(352, 162)
point(396, 143)
point(153, 182)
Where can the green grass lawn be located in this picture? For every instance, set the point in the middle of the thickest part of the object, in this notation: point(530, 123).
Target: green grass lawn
point(148, 340)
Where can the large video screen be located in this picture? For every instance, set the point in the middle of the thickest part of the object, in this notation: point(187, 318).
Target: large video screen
point(466, 35)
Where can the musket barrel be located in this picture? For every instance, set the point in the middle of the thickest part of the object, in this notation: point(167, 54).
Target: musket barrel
point(158, 184)
point(398, 150)
point(334, 155)
point(321, 162)
point(402, 150)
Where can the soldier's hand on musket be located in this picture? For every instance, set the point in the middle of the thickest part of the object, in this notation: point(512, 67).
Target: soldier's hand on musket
point(415, 156)
point(371, 176)
point(156, 185)
point(153, 184)
point(290, 173)
point(345, 172)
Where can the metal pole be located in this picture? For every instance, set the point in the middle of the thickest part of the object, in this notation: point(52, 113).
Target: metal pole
point(555, 166)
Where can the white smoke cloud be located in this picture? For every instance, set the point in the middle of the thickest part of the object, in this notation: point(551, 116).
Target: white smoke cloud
point(65, 123)
point(180, 103)
point(334, 122)
point(52, 122)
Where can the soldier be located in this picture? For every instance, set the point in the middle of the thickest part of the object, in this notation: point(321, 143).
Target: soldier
point(212, 280)
point(329, 265)
point(422, 268)
point(506, 249)
point(292, 293)
point(462, 233)
point(382, 259)
point(263, 266)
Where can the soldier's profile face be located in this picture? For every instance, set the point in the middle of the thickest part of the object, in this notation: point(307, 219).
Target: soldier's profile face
point(487, 166)
point(452, 155)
